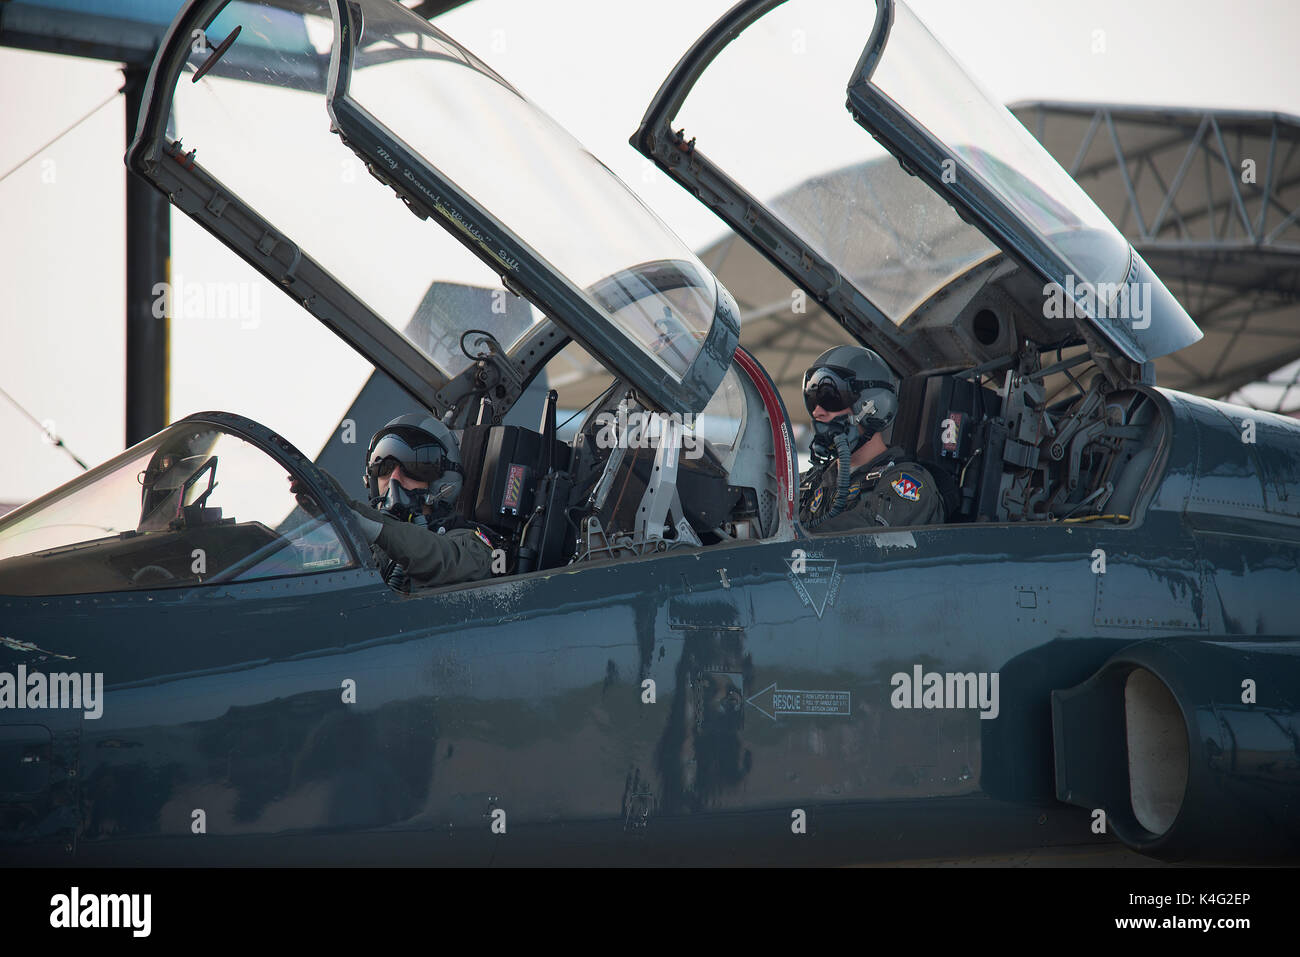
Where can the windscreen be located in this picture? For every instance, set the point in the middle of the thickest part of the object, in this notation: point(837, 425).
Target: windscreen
point(558, 200)
point(194, 505)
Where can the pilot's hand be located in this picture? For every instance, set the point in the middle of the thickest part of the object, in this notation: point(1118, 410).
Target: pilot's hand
point(306, 501)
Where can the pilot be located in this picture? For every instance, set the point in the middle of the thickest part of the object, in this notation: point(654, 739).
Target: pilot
point(413, 474)
point(852, 395)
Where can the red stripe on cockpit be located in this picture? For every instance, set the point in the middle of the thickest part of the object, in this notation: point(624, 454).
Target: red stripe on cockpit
point(782, 436)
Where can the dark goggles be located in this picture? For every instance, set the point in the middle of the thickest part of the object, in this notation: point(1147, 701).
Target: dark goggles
point(424, 463)
point(835, 389)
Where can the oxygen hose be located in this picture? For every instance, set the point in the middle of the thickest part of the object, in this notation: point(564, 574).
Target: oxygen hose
point(845, 476)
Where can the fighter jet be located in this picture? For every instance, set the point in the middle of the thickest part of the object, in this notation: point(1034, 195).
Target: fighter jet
point(1095, 652)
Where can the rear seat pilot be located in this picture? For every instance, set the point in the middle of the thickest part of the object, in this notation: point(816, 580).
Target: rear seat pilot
point(852, 396)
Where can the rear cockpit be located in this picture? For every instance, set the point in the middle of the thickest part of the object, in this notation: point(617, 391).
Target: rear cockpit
point(1094, 455)
point(936, 231)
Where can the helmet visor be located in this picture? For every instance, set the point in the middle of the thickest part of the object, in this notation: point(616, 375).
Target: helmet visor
point(423, 462)
point(835, 388)
point(829, 388)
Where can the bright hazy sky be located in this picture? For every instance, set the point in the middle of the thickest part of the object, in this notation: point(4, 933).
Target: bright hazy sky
point(594, 66)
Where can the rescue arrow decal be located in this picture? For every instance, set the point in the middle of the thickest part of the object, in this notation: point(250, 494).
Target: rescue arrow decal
point(788, 701)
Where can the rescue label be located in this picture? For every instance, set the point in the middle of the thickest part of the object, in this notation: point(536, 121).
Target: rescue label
point(810, 702)
point(775, 702)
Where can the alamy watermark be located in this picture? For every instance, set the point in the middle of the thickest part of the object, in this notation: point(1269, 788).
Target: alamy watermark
point(183, 300)
point(931, 689)
point(1126, 301)
point(76, 910)
point(36, 690)
point(649, 430)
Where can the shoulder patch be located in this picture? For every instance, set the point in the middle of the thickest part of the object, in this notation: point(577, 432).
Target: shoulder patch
point(816, 502)
point(483, 538)
point(907, 487)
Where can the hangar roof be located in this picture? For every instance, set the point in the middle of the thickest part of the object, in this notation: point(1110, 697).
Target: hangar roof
point(1211, 199)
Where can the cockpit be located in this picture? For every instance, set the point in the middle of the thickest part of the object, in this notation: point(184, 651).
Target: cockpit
point(258, 115)
point(289, 129)
point(926, 221)
point(325, 142)
point(216, 498)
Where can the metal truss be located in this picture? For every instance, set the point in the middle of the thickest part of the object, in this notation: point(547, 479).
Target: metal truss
point(1211, 198)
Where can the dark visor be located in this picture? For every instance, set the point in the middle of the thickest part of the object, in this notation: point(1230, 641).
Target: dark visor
point(423, 462)
point(835, 389)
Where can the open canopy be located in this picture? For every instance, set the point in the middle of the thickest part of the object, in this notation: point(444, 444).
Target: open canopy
point(521, 201)
point(881, 250)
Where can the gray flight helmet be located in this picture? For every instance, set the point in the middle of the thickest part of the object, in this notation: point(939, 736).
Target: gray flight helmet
point(426, 450)
point(855, 378)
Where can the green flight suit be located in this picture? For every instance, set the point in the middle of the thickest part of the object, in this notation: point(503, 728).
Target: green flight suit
point(444, 553)
point(891, 490)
